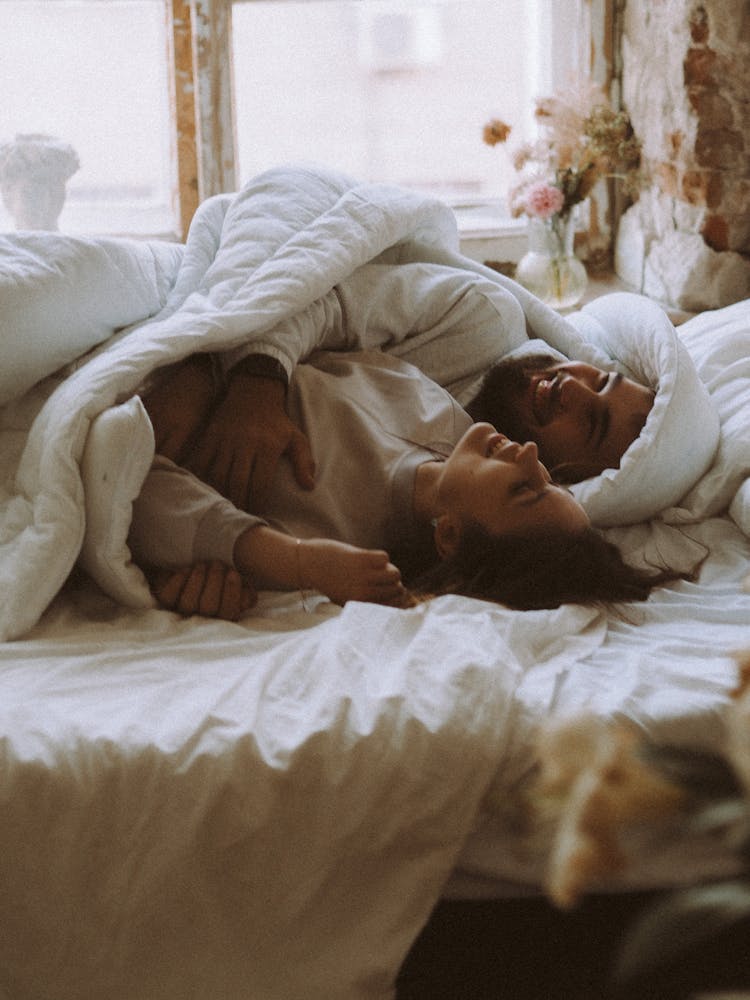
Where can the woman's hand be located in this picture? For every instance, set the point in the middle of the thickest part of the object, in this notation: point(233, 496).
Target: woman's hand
point(212, 589)
point(346, 573)
point(274, 560)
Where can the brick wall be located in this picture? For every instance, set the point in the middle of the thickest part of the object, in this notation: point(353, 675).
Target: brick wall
point(686, 85)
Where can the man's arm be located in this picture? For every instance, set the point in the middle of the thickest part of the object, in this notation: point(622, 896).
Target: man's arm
point(452, 324)
point(211, 589)
point(183, 527)
point(448, 322)
point(179, 404)
point(247, 434)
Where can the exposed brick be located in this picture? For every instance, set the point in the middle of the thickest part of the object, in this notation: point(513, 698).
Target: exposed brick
point(720, 148)
point(714, 189)
point(716, 232)
point(702, 188)
point(710, 106)
point(686, 80)
point(699, 26)
point(698, 66)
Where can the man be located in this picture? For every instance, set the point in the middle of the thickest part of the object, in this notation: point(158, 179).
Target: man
point(454, 325)
point(402, 470)
point(583, 419)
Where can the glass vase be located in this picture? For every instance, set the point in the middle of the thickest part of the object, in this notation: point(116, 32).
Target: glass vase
point(550, 269)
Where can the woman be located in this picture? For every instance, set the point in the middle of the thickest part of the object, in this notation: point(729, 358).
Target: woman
point(405, 483)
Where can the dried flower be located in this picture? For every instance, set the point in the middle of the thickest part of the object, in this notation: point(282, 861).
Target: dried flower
point(594, 788)
point(582, 140)
point(495, 131)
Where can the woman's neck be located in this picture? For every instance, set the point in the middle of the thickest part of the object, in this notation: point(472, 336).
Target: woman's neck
point(425, 500)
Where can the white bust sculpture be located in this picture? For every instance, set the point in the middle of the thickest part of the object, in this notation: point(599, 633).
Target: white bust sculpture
point(34, 170)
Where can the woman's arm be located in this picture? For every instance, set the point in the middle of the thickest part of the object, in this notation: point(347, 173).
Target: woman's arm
point(275, 561)
point(179, 522)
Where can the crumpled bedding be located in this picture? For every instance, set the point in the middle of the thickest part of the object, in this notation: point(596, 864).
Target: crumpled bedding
point(271, 808)
point(251, 260)
point(266, 809)
point(719, 343)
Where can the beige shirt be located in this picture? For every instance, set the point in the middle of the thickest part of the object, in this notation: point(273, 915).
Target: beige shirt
point(371, 420)
point(452, 324)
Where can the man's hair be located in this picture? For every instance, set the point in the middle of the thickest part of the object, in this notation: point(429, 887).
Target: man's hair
point(501, 385)
point(542, 570)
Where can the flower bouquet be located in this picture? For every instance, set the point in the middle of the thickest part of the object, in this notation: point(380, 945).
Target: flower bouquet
point(581, 140)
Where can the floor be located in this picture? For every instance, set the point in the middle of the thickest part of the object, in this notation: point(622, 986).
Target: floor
point(526, 950)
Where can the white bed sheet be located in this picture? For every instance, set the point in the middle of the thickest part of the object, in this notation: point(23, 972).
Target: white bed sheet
point(668, 669)
point(195, 808)
point(191, 807)
point(270, 809)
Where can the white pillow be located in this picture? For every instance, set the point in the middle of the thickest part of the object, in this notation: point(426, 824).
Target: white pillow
point(116, 460)
point(681, 435)
point(62, 295)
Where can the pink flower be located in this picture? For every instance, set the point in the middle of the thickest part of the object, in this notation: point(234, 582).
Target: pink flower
point(544, 200)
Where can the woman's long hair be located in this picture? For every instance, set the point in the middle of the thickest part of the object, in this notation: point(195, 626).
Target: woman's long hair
point(539, 571)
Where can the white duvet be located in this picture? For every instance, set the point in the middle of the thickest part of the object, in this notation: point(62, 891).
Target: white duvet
point(251, 261)
point(203, 809)
point(270, 809)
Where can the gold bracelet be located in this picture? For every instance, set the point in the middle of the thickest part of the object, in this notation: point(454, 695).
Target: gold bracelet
point(299, 577)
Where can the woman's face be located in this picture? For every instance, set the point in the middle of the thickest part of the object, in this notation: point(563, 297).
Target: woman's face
point(503, 487)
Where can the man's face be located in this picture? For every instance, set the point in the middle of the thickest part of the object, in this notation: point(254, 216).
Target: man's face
point(582, 418)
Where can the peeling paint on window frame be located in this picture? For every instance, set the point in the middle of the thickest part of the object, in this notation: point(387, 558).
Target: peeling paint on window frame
point(204, 106)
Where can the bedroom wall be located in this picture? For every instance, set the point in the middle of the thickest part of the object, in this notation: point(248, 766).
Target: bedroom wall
point(685, 83)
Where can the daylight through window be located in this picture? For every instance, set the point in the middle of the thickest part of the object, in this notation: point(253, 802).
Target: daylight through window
point(119, 116)
point(94, 77)
point(392, 90)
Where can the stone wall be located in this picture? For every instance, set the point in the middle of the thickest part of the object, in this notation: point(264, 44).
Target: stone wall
point(686, 85)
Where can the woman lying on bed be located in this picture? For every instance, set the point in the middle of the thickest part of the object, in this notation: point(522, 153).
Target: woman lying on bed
point(408, 493)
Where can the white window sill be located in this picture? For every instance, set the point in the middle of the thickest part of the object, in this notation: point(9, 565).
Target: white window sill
point(503, 248)
point(487, 232)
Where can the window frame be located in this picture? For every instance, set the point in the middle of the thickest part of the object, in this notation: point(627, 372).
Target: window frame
point(205, 116)
point(91, 212)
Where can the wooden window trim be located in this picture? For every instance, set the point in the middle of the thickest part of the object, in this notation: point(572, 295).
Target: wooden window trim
point(202, 105)
point(186, 197)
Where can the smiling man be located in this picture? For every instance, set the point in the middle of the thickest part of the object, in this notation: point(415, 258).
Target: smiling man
point(582, 418)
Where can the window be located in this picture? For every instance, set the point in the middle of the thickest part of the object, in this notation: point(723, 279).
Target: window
point(94, 76)
point(167, 102)
point(397, 90)
point(387, 90)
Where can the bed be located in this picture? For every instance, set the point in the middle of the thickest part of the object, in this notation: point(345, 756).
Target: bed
point(272, 808)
